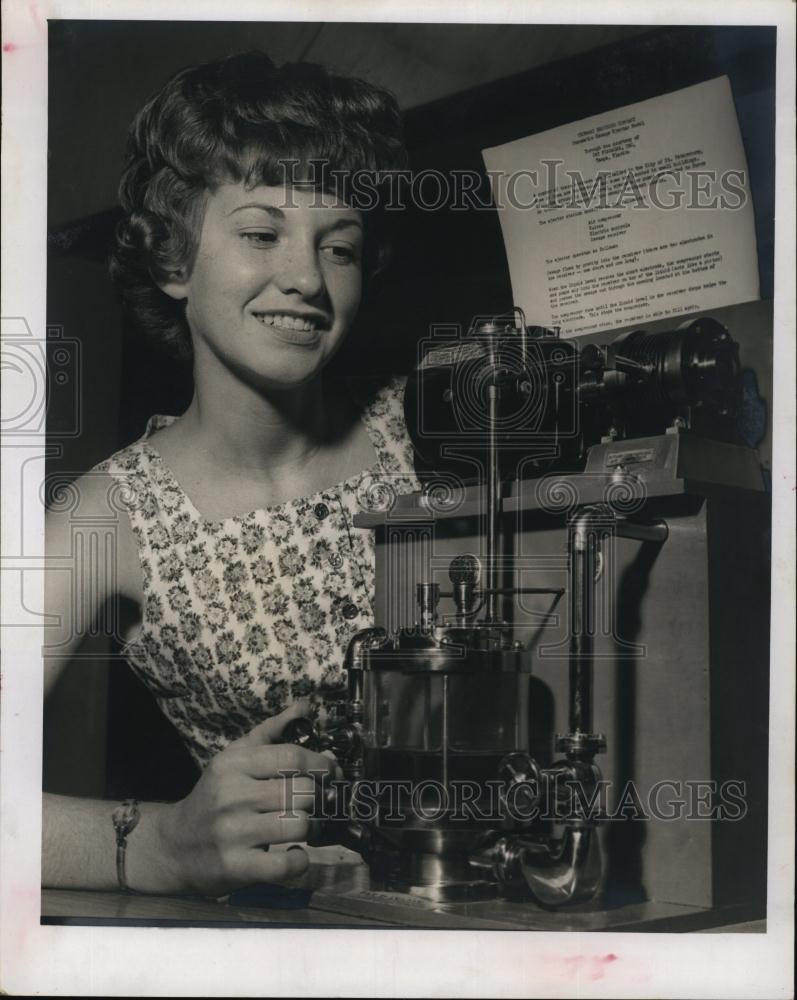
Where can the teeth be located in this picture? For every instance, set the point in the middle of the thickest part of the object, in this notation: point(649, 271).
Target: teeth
point(287, 322)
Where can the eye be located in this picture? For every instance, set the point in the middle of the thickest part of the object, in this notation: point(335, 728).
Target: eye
point(341, 253)
point(259, 237)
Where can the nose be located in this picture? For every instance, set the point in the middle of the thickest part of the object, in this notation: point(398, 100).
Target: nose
point(300, 271)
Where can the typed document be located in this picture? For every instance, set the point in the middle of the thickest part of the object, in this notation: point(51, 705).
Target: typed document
point(629, 216)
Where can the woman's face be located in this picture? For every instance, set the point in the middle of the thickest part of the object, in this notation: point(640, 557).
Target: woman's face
point(275, 283)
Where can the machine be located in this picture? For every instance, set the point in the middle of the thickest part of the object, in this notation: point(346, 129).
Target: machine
point(563, 702)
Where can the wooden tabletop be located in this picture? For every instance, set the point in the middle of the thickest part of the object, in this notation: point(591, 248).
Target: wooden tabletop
point(76, 907)
point(354, 905)
point(336, 891)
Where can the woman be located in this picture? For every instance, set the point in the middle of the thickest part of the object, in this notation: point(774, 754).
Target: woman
point(236, 551)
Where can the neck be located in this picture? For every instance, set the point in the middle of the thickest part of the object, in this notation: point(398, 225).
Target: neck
point(256, 428)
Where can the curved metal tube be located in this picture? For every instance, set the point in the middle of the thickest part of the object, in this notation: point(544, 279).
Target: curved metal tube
point(557, 872)
point(359, 644)
point(567, 870)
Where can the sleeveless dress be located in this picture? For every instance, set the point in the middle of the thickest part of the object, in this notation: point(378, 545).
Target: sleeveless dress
point(243, 615)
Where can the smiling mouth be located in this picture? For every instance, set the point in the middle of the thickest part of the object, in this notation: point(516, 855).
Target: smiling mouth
point(294, 324)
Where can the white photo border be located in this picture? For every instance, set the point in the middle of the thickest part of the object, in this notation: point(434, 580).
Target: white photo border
point(63, 960)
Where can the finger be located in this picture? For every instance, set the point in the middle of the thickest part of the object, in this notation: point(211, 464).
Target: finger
point(287, 795)
point(285, 760)
point(253, 866)
point(261, 829)
point(338, 769)
point(270, 730)
point(279, 866)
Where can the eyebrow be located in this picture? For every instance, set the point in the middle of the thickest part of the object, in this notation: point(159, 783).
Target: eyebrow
point(345, 224)
point(277, 213)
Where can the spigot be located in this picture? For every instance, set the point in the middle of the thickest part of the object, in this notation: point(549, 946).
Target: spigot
point(428, 599)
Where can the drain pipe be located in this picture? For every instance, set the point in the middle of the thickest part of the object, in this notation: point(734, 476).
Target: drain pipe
point(569, 868)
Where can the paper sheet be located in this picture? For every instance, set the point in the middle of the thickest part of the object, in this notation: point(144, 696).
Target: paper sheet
point(629, 216)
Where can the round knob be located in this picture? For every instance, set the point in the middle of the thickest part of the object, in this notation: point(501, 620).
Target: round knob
point(465, 569)
point(520, 775)
point(345, 743)
point(303, 733)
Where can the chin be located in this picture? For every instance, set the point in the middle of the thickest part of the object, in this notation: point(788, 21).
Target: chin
point(283, 378)
point(275, 368)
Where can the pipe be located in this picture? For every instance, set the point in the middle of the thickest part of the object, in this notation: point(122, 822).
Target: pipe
point(657, 531)
point(493, 500)
point(585, 530)
point(557, 872)
point(566, 870)
point(444, 732)
point(583, 553)
point(354, 663)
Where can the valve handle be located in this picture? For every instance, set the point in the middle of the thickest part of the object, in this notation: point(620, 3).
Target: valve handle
point(344, 741)
point(522, 778)
point(303, 733)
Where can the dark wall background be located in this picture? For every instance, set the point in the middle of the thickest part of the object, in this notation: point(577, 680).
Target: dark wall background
point(463, 87)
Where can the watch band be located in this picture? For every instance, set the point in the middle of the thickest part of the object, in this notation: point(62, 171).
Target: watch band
point(125, 819)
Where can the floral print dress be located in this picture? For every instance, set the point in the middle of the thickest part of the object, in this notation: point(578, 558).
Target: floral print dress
point(242, 616)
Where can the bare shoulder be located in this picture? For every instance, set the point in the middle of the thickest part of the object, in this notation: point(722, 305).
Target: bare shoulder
point(90, 557)
point(89, 515)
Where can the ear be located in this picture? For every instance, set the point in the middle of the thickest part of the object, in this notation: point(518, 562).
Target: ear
point(175, 285)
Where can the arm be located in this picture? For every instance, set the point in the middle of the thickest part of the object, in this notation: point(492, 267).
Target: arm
point(79, 846)
point(74, 589)
point(78, 841)
point(252, 794)
point(213, 840)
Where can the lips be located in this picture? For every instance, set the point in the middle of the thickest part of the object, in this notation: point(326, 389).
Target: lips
point(291, 328)
point(292, 321)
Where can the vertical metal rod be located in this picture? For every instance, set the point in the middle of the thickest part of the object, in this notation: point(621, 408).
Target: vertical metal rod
point(427, 713)
point(521, 705)
point(583, 553)
point(445, 731)
point(520, 324)
point(493, 502)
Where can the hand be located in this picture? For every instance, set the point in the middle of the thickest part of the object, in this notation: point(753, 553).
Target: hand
point(216, 839)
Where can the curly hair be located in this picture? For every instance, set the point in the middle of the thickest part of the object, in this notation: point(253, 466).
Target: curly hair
point(239, 120)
